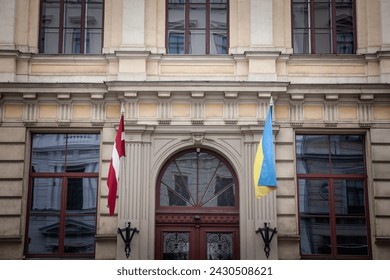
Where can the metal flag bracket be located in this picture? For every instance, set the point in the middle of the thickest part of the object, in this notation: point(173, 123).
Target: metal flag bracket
point(265, 231)
point(129, 234)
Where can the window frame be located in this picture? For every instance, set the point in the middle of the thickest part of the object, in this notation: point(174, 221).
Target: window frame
point(332, 28)
point(197, 207)
point(62, 214)
point(83, 35)
point(331, 178)
point(187, 30)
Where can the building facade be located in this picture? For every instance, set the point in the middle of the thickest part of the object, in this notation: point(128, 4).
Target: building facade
point(195, 79)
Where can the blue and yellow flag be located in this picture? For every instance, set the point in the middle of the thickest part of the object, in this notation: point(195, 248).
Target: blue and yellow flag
point(264, 173)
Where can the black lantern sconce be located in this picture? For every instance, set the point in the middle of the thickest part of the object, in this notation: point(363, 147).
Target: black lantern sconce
point(265, 234)
point(129, 234)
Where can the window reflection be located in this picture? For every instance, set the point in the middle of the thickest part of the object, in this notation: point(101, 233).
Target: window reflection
point(43, 234)
point(197, 27)
point(79, 234)
point(81, 29)
point(197, 179)
point(82, 153)
point(46, 194)
point(317, 25)
point(331, 188)
point(64, 179)
point(339, 154)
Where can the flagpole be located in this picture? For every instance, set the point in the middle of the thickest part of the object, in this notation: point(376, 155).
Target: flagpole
point(123, 169)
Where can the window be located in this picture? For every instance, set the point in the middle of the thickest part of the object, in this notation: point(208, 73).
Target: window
point(197, 179)
point(63, 195)
point(323, 26)
point(197, 27)
point(71, 26)
point(332, 196)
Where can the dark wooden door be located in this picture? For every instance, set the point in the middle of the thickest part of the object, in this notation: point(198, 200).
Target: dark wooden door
point(197, 213)
point(198, 241)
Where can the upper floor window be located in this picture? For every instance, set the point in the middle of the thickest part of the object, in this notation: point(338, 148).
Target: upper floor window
point(197, 27)
point(71, 26)
point(323, 26)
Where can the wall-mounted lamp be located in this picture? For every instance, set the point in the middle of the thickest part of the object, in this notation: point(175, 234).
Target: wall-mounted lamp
point(265, 231)
point(127, 237)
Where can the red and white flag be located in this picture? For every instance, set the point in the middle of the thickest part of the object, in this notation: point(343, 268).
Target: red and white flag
point(113, 173)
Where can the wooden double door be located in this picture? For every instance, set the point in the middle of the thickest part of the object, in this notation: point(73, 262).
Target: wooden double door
point(197, 211)
point(214, 238)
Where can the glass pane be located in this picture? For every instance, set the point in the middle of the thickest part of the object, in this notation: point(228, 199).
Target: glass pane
point(83, 153)
point(94, 14)
point(347, 154)
point(43, 234)
point(176, 15)
point(71, 42)
point(313, 197)
point(197, 179)
point(218, 16)
point(221, 191)
point(208, 166)
point(351, 228)
point(80, 234)
point(175, 42)
point(197, 42)
point(219, 246)
point(323, 41)
point(188, 169)
point(345, 43)
point(49, 40)
point(50, 16)
point(72, 14)
point(46, 195)
point(349, 197)
point(81, 195)
point(312, 153)
point(344, 17)
point(314, 217)
point(176, 245)
point(48, 153)
point(218, 42)
point(93, 41)
point(322, 15)
point(198, 16)
point(300, 16)
point(174, 187)
point(301, 41)
point(315, 236)
point(351, 236)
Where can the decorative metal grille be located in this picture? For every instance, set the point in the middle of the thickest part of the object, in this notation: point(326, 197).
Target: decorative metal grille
point(219, 246)
point(176, 245)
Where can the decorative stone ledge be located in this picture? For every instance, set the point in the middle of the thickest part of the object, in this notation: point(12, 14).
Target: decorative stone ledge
point(11, 239)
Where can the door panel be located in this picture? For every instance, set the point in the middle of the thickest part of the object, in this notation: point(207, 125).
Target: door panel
point(219, 243)
point(194, 242)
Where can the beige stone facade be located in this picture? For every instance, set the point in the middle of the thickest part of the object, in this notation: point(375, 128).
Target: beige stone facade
point(174, 102)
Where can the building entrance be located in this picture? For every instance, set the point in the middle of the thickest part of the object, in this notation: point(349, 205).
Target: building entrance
point(197, 208)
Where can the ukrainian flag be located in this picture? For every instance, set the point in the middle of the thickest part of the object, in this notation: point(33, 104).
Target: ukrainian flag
point(264, 173)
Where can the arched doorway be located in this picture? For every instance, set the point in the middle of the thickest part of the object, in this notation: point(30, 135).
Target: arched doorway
point(197, 211)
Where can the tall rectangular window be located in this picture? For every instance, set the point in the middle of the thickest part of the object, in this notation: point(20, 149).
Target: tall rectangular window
point(323, 26)
point(63, 195)
point(333, 211)
point(71, 26)
point(197, 27)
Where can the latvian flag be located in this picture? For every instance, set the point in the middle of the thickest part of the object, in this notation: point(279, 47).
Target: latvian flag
point(113, 173)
